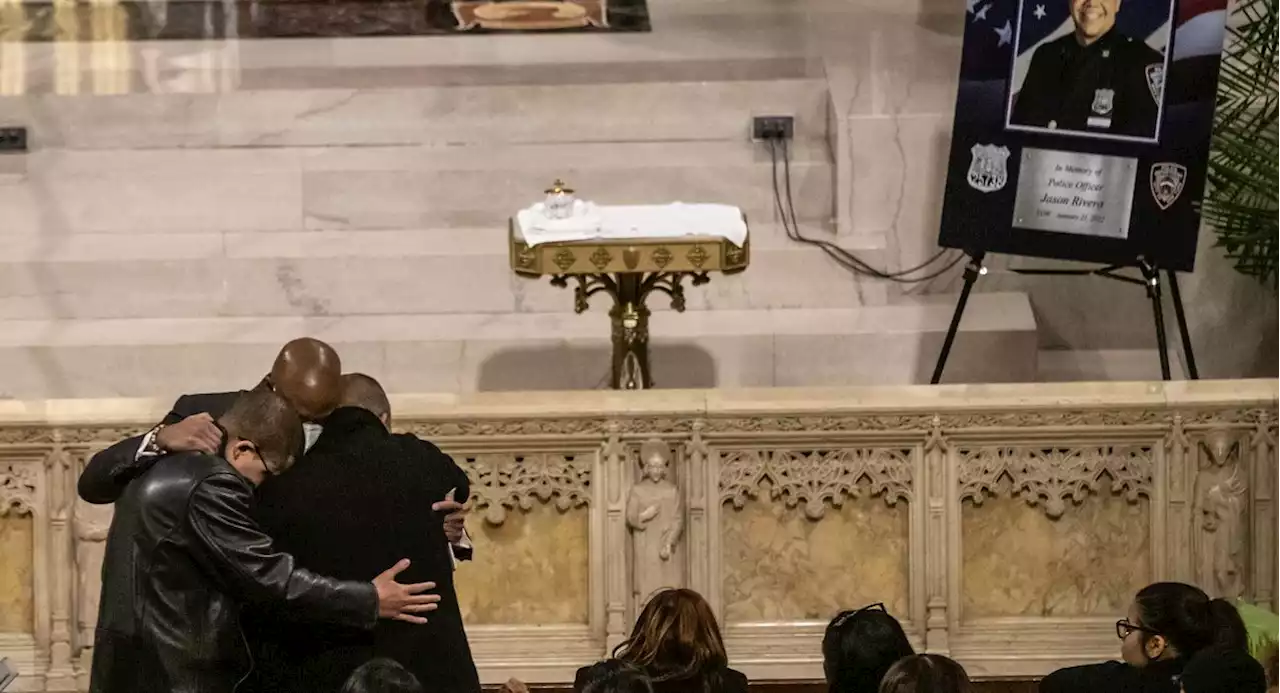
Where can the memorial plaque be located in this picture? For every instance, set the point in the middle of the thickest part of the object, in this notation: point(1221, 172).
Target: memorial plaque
point(1075, 192)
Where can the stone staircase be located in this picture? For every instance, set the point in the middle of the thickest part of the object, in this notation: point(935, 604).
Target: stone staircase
point(172, 236)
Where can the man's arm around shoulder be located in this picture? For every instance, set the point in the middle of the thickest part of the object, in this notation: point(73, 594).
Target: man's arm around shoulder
point(108, 472)
point(455, 518)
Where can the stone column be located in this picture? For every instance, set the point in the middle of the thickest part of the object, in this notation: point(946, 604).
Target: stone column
point(941, 505)
point(61, 675)
point(616, 587)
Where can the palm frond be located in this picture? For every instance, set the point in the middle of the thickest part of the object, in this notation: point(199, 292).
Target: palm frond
point(1243, 178)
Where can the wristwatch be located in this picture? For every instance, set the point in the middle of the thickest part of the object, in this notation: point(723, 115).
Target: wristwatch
point(153, 442)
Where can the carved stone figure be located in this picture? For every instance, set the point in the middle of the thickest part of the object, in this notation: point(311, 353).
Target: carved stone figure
point(655, 516)
point(91, 523)
point(1221, 508)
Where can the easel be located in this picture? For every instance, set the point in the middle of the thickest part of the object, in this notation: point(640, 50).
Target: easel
point(1150, 279)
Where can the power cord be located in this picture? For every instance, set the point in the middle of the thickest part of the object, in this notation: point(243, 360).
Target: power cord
point(841, 256)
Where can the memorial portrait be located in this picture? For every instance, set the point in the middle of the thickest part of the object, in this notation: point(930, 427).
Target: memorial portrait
point(1090, 68)
point(1082, 129)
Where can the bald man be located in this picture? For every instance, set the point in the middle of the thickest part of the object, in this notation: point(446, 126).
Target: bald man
point(307, 373)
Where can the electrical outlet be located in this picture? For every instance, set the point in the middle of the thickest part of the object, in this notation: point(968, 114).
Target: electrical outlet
point(772, 128)
point(13, 139)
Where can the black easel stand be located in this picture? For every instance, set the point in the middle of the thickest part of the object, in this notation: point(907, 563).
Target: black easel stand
point(972, 270)
point(1150, 280)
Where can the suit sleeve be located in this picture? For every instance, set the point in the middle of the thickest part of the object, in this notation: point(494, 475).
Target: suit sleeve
point(234, 547)
point(108, 473)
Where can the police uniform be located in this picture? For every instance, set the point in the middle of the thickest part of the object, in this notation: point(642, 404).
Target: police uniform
point(1112, 86)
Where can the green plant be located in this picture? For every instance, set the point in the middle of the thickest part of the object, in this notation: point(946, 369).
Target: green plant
point(1263, 627)
point(1241, 202)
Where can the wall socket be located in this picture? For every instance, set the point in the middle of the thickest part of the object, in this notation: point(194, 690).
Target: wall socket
point(772, 128)
point(13, 139)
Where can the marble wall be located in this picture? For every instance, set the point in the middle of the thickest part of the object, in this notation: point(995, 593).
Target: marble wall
point(1090, 561)
point(17, 602)
point(780, 565)
point(532, 569)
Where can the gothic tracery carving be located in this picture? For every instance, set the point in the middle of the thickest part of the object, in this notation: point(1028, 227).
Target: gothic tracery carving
point(1048, 477)
point(816, 478)
point(17, 489)
point(502, 482)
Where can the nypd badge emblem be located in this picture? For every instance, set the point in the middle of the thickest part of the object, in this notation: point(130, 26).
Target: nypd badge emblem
point(989, 169)
point(1104, 100)
point(1155, 81)
point(1167, 180)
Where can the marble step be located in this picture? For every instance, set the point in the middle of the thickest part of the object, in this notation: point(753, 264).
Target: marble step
point(1097, 365)
point(895, 344)
point(53, 193)
point(423, 114)
point(380, 278)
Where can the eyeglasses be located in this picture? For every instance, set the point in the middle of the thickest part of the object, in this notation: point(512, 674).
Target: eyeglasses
point(844, 616)
point(1124, 629)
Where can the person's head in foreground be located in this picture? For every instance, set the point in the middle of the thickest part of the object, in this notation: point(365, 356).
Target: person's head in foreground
point(926, 673)
point(307, 372)
point(1093, 18)
point(612, 676)
point(381, 676)
point(1223, 670)
point(675, 638)
point(263, 435)
point(859, 647)
point(363, 391)
point(1172, 620)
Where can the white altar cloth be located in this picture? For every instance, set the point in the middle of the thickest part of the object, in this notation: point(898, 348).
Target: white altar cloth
point(595, 222)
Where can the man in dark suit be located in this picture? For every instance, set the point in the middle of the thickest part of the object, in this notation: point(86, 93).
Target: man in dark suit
point(361, 494)
point(1094, 79)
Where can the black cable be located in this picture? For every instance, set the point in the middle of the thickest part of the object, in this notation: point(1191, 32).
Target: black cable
point(883, 274)
point(841, 256)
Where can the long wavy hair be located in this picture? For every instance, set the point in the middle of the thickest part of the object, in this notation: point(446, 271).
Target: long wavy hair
point(676, 638)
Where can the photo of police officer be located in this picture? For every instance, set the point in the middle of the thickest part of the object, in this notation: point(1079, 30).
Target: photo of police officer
point(1093, 80)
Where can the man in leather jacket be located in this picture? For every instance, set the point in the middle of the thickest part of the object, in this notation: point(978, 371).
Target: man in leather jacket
point(184, 554)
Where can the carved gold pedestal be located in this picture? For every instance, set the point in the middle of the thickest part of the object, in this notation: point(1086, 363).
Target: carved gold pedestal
point(629, 270)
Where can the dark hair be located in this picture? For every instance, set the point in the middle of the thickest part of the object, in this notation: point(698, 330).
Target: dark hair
point(381, 675)
point(360, 390)
point(859, 647)
point(1218, 670)
point(268, 421)
point(926, 673)
point(612, 676)
point(676, 638)
point(1188, 619)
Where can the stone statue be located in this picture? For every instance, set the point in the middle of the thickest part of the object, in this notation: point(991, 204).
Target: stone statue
point(91, 523)
point(655, 516)
point(1221, 509)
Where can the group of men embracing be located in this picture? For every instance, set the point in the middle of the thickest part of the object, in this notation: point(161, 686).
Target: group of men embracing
point(275, 539)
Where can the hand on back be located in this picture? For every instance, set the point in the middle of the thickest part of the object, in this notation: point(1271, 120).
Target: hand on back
point(403, 602)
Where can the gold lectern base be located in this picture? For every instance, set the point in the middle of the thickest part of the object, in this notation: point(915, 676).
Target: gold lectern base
point(628, 270)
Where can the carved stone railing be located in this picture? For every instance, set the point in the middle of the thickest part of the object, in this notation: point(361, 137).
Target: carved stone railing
point(1006, 525)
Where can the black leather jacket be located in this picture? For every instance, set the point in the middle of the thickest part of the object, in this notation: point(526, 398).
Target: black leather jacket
point(182, 556)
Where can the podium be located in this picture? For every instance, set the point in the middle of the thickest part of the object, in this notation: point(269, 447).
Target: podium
point(629, 270)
